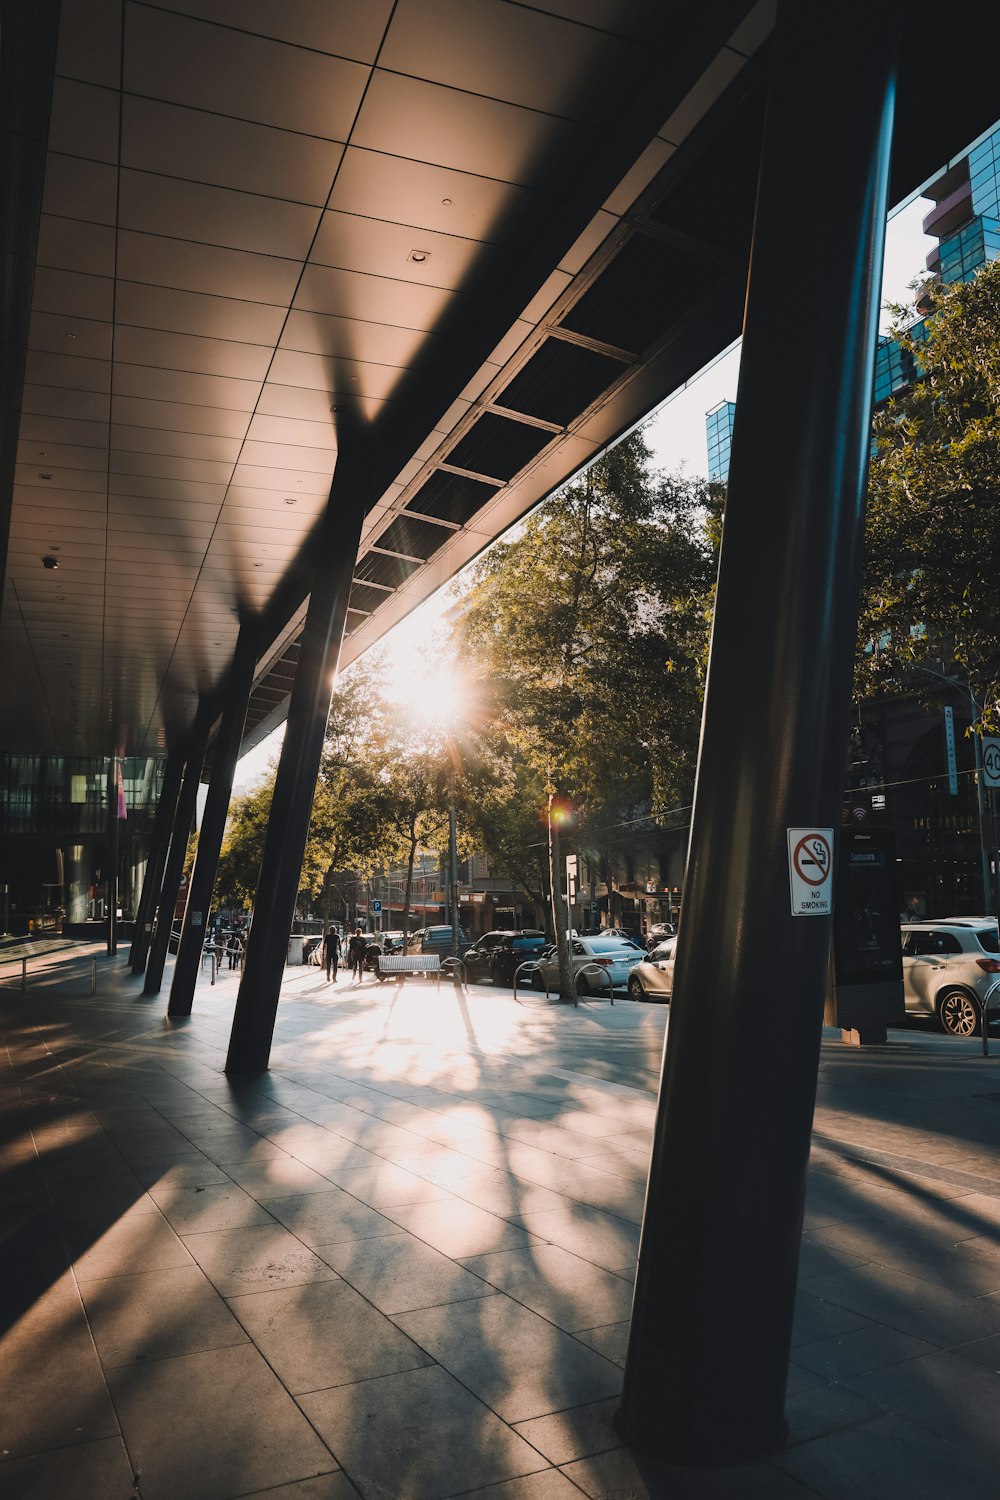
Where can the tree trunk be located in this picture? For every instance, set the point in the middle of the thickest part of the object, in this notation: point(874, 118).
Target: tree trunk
point(409, 887)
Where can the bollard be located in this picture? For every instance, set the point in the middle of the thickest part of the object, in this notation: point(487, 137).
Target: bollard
point(215, 965)
point(24, 976)
point(93, 976)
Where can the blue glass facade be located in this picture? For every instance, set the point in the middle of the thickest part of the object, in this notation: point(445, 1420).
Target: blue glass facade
point(962, 250)
point(719, 432)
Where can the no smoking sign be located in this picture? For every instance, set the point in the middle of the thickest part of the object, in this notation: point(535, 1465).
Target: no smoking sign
point(810, 871)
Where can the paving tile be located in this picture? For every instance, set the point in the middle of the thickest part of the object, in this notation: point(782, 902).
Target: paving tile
point(890, 1456)
point(625, 1475)
point(569, 1292)
point(144, 1242)
point(80, 1472)
point(385, 1185)
point(325, 1218)
point(324, 1334)
point(548, 1484)
point(909, 1303)
point(255, 1259)
point(515, 1361)
point(859, 1351)
point(943, 1394)
point(587, 1232)
point(323, 1487)
point(457, 1228)
point(379, 1431)
point(52, 1388)
point(611, 1341)
point(192, 1169)
point(196, 1210)
point(278, 1177)
point(985, 1352)
point(577, 1433)
point(157, 1314)
point(826, 1408)
point(211, 1425)
point(816, 1319)
point(399, 1272)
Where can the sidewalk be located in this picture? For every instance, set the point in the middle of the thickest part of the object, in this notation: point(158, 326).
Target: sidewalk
point(399, 1265)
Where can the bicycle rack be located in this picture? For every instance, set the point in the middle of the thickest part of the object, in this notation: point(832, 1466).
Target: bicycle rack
point(455, 967)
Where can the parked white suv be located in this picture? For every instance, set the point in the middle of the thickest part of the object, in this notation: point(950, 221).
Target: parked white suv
point(950, 968)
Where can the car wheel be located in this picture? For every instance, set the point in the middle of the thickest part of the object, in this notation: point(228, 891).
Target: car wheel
point(958, 1013)
point(635, 989)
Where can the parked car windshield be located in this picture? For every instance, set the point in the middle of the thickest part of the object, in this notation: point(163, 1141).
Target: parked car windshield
point(663, 950)
point(610, 944)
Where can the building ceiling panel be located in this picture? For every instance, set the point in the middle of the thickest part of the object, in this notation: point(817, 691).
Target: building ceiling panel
point(170, 310)
point(80, 189)
point(326, 228)
point(408, 117)
point(530, 59)
point(176, 416)
point(153, 204)
point(72, 245)
point(224, 152)
point(424, 195)
point(348, 28)
point(73, 294)
point(229, 72)
point(158, 260)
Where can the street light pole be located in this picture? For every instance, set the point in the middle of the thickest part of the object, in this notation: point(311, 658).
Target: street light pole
point(566, 988)
point(453, 875)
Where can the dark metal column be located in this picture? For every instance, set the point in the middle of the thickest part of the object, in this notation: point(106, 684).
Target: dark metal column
point(174, 868)
point(213, 822)
point(711, 1323)
point(113, 851)
point(298, 767)
point(158, 844)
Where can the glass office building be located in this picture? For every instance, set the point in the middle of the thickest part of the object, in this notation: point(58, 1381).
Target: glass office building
point(719, 432)
point(56, 838)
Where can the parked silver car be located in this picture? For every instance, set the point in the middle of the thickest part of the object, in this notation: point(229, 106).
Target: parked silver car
point(653, 977)
point(599, 961)
point(950, 968)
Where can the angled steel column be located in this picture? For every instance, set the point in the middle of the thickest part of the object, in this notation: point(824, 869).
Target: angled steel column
point(113, 854)
point(711, 1322)
point(158, 845)
point(298, 767)
point(174, 868)
point(213, 822)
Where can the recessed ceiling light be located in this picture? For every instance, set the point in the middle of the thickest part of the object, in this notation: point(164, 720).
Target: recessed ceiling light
point(445, 202)
point(44, 476)
point(294, 499)
point(71, 335)
point(419, 256)
point(258, 565)
point(50, 562)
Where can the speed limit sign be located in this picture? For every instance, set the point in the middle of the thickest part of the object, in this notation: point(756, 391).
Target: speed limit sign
point(991, 762)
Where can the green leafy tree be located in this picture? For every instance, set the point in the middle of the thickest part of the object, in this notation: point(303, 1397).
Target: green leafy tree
point(591, 628)
point(933, 545)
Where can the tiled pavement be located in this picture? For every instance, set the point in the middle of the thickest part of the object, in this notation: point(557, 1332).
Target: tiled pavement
point(399, 1265)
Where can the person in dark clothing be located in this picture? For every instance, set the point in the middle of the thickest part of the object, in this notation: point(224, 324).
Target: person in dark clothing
point(331, 952)
point(356, 952)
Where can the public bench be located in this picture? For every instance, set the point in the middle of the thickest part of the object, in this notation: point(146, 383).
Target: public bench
point(401, 964)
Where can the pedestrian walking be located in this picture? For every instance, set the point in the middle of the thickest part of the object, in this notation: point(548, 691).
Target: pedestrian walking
point(331, 953)
point(356, 952)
